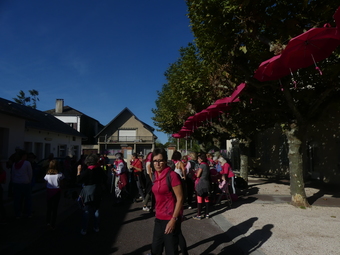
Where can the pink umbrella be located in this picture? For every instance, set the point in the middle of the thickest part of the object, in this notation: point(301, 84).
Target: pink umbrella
point(177, 135)
point(201, 116)
point(185, 130)
point(272, 69)
point(310, 47)
point(237, 92)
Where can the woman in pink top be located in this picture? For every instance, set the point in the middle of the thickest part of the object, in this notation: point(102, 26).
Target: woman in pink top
point(227, 170)
point(169, 202)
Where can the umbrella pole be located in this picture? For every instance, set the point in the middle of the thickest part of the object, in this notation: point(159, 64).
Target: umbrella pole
point(316, 67)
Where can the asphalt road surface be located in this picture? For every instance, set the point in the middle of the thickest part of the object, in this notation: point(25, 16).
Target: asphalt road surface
point(124, 229)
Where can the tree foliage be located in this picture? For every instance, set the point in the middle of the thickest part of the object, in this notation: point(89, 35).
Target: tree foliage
point(235, 36)
point(232, 38)
point(185, 93)
point(30, 101)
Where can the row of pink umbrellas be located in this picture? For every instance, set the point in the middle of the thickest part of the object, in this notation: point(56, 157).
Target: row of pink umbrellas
point(213, 111)
point(302, 51)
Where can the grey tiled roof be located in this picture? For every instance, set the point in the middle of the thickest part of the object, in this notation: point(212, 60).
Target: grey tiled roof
point(36, 119)
point(67, 110)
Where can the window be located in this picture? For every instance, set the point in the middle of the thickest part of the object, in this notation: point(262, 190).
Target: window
point(127, 135)
point(62, 151)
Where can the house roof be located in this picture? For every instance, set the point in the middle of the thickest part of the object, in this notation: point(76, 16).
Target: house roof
point(148, 127)
point(69, 111)
point(36, 119)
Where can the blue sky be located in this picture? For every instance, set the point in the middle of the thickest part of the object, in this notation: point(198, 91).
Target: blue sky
point(99, 56)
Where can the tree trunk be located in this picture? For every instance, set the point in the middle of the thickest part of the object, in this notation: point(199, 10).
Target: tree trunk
point(297, 186)
point(244, 149)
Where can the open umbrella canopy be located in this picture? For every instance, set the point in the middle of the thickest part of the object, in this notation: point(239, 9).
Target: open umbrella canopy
point(199, 117)
point(185, 132)
point(189, 124)
point(177, 135)
point(237, 92)
point(213, 111)
point(310, 47)
point(272, 69)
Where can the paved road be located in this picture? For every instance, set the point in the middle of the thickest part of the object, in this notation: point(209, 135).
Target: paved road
point(124, 230)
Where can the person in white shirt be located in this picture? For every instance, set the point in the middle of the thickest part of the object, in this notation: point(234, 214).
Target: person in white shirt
point(53, 180)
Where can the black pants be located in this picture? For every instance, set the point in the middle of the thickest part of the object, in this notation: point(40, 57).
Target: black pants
point(190, 189)
point(168, 241)
point(52, 209)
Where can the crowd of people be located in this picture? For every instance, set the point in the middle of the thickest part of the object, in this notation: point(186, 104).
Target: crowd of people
point(169, 185)
point(164, 186)
point(25, 172)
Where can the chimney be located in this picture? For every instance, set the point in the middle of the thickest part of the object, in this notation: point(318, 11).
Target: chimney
point(59, 105)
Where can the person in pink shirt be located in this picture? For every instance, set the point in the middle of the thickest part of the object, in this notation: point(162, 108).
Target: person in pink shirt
point(137, 167)
point(168, 194)
point(227, 170)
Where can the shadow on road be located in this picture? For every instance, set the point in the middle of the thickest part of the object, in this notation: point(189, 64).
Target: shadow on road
point(236, 233)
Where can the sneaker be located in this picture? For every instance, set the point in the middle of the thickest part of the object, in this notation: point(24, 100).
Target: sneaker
point(197, 217)
point(207, 216)
point(96, 229)
point(146, 209)
point(189, 207)
point(83, 232)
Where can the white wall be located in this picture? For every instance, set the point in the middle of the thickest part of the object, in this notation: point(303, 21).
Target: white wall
point(70, 119)
point(37, 137)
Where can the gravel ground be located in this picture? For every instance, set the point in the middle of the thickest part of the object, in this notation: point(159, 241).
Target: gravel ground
point(280, 228)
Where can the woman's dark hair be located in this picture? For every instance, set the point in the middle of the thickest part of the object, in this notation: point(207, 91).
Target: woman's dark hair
point(156, 152)
point(135, 155)
point(176, 155)
point(203, 157)
point(91, 160)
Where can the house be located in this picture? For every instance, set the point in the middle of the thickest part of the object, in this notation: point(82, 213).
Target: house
point(84, 124)
point(35, 131)
point(127, 134)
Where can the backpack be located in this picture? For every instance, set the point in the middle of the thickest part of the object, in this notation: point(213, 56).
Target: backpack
point(193, 165)
point(171, 164)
